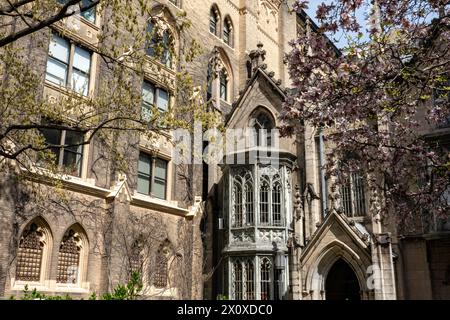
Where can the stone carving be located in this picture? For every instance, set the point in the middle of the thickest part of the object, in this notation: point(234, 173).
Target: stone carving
point(216, 63)
point(242, 236)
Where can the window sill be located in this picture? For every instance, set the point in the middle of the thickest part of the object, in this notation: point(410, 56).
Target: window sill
point(67, 91)
point(222, 41)
point(149, 202)
point(50, 286)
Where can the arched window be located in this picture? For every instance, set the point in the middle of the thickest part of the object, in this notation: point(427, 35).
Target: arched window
point(264, 201)
point(224, 85)
point(136, 258)
point(249, 211)
point(243, 279)
point(264, 124)
point(33, 249)
point(219, 76)
point(266, 266)
point(161, 43)
point(228, 32)
point(237, 191)
point(249, 280)
point(160, 277)
point(276, 204)
point(214, 18)
point(70, 256)
point(238, 280)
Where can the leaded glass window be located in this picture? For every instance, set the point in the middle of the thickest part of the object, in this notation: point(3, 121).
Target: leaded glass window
point(249, 211)
point(276, 204)
point(69, 258)
point(353, 195)
point(30, 254)
point(237, 204)
point(265, 271)
point(249, 280)
point(264, 203)
point(238, 277)
point(160, 276)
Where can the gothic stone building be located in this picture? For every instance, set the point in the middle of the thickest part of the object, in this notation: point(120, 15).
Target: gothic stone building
point(261, 228)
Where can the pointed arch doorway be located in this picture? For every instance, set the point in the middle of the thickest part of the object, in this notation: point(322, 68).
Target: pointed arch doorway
point(341, 283)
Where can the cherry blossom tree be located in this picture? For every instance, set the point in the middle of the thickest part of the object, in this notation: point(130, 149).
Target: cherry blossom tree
point(382, 102)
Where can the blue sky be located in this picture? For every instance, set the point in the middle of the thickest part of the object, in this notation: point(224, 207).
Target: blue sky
point(339, 38)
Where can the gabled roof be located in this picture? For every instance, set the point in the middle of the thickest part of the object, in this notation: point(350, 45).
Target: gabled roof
point(259, 72)
point(355, 231)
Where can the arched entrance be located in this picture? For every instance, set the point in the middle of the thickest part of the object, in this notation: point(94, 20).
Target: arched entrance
point(342, 283)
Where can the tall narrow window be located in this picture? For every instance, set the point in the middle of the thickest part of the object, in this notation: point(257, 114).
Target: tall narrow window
point(238, 278)
point(264, 203)
point(209, 82)
point(276, 204)
point(237, 204)
point(249, 280)
point(213, 21)
point(160, 276)
point(67, 146)
point(249, 212)
point(30, 253)
point(68, 65)
point(228, 32)
point(69, 258)
point(136, 258)
point(223, 86)
point(152, 176)
point(265, 278)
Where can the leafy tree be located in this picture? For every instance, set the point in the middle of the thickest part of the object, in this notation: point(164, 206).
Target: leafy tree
point(114, 108)
point(375, 101)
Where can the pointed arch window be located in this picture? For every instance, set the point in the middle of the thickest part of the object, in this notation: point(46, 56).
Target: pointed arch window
point(238, 280)
point(243, 279)
point(160, 277)
point(33, 245)
point(136, 258)
point(266, 283)
point(70, 255)
point(264, 123)
point(214, 18)
point(228, 32)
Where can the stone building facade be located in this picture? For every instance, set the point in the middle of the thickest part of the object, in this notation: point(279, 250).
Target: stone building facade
point(262, 227)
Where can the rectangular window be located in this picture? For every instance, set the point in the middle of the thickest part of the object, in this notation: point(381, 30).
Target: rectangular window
point(153, 96)
point(68, 65)
point(68, 149)
point(152, 176)
point(353, 196)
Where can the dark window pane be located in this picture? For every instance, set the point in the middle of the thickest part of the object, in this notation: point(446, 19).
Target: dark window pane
point(89, 15)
